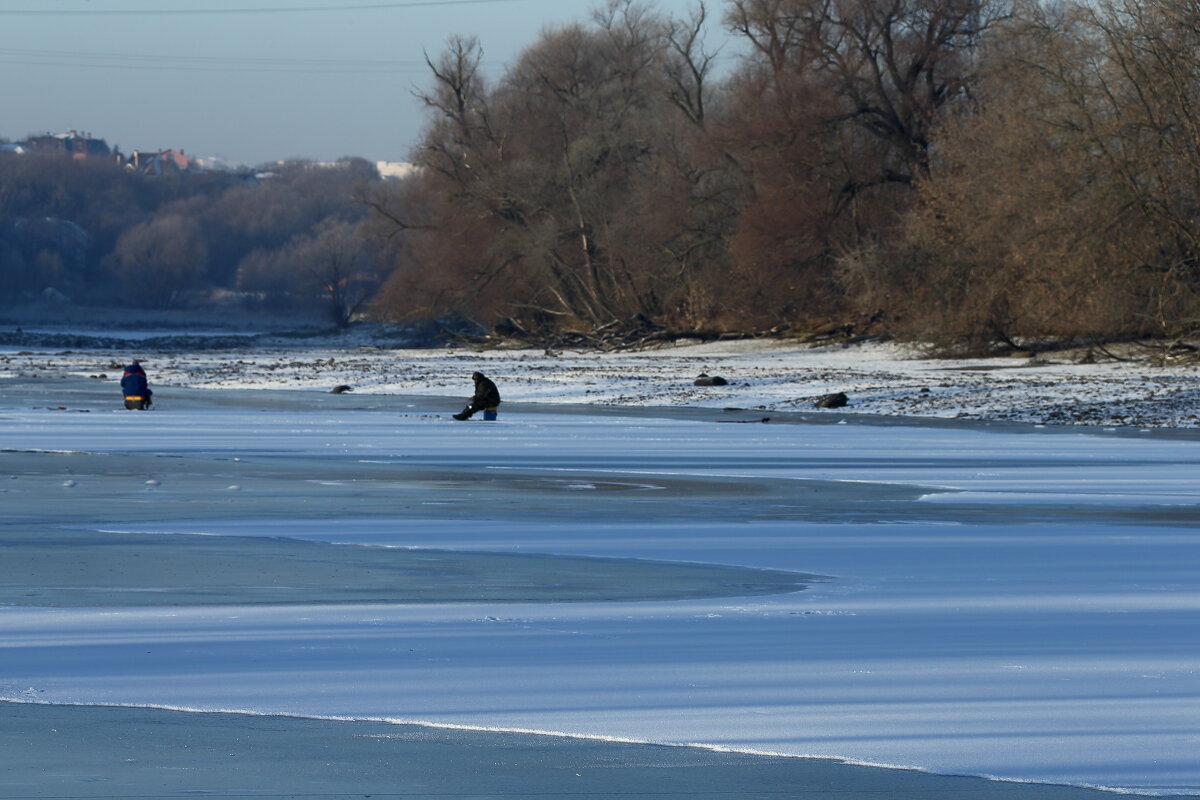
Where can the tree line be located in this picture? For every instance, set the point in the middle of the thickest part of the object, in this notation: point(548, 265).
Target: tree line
point(970, 173)
point(965, 172)
point(289, 239)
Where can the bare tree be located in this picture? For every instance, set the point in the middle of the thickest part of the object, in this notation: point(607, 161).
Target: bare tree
point(157, 261)
point(541, 174)
point(1063, 205)
point(335, 269)
point(606, 175)
point(893, 64)
point(1152, 93)
point(344, 266)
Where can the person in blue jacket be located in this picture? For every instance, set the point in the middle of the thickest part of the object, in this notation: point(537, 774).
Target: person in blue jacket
point(136, 388)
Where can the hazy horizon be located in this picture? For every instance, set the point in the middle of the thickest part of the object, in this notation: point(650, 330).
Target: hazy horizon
point(273, 80)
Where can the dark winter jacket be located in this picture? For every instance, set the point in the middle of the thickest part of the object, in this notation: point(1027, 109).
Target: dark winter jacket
point(486, 393)
point(134, 384)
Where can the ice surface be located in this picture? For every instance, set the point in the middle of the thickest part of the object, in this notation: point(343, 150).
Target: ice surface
point(132, 752)
point(1001, 601)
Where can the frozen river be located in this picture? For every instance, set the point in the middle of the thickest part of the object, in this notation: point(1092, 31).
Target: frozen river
point(961, 599)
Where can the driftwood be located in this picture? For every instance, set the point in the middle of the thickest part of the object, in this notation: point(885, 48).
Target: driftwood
point(1173, 353)
point(639, 332)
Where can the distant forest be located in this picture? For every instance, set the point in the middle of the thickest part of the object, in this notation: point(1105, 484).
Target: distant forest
point(93, 232)
point(962, 172)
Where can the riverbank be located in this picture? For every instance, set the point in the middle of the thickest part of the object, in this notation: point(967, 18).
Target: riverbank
point(760, 376)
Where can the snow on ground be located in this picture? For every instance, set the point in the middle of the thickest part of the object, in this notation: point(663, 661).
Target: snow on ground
point(888, 379)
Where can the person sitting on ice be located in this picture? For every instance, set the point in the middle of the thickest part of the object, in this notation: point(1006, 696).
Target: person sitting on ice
point(486, 398)
point(136, 388)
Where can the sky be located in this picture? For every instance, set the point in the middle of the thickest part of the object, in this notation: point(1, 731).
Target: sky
point(251, 80)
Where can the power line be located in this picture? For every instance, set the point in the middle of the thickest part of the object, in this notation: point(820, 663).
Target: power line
point(164, 12)
point(243, 60)
point(242, 70)
point(145, 61)
point(200, 63)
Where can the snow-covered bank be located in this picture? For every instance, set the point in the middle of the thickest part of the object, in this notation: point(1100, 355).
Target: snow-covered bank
point(886, 379)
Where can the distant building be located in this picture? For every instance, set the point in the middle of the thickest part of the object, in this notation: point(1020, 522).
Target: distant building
point(160, 162)
point(78, 146)
point(396, 170)
point(217, 164)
